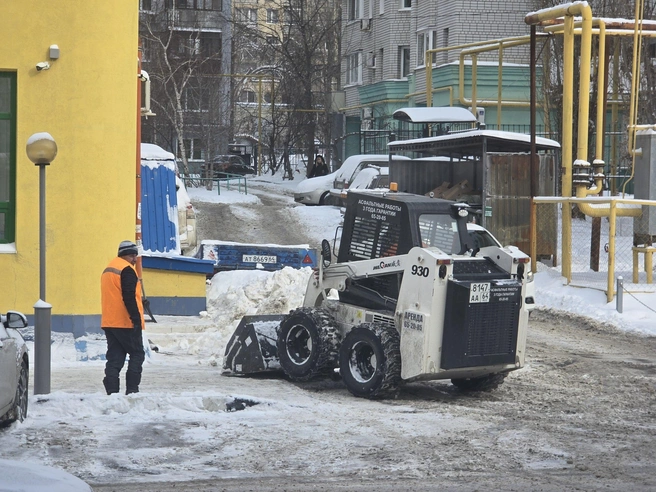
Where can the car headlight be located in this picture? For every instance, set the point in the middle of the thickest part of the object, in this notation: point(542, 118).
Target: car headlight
point(529, 277)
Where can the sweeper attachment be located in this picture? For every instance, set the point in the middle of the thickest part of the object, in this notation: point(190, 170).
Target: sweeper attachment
point(414, 295)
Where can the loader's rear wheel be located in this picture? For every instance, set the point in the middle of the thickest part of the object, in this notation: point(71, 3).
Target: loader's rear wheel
point(370, 361)
point(308, 344)
point(482, 383)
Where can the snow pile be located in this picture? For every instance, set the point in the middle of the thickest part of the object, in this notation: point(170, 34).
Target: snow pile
point(235, 294)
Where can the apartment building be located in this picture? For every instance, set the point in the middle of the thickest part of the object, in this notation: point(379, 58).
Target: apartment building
point(383, 65)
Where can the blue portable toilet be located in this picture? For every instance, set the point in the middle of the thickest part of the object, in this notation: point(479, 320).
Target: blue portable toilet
point(159, 203)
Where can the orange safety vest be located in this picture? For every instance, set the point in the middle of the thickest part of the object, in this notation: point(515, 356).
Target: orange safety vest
point(114, 312)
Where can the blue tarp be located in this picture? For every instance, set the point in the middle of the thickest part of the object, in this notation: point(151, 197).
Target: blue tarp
point(159, 227)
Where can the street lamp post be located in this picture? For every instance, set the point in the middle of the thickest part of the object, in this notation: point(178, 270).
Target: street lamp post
point(41, 149)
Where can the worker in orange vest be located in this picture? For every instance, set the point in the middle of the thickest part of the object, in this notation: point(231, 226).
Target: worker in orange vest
point(122, 319)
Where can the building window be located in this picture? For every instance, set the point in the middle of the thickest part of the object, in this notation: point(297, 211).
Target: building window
point(210, 44)
point(272, 16)
point(355, 9)
point(7, 157)
point(195, 95)
point(146, 5)
point(406, 4)
point(293, 15)
point(185, 43)
point(193, 149)
point(354, 68)
point(404, 61)
point(425, 41)
point(445, 44)
point(248, 16)
point(209, 4)
point(247, 97)
point(379, 62)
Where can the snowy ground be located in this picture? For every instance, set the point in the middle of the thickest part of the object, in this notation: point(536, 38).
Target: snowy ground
point(579, 415)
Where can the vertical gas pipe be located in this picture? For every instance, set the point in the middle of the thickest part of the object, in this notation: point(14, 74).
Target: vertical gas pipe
point(568, 11)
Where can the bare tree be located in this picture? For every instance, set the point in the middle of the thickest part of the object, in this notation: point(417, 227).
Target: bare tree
point(300, 45)
point(185, 59)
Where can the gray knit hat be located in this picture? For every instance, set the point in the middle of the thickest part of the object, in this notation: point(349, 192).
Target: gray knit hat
point(127, 248)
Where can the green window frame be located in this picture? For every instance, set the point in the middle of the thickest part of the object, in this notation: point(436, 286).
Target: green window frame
point(7, 157)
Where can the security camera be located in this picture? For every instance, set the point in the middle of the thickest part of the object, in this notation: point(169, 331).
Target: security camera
point(42, 66)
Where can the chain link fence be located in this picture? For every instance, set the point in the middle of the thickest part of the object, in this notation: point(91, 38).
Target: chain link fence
point(593, 241)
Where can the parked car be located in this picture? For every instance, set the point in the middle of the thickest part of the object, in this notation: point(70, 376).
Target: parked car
point(222, 165)
point(14, 369)
point(353, 165)
point(316, 191)
point(483, 238)
point(369, 178)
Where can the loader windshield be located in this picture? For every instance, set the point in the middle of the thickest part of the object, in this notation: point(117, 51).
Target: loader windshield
point(439, 231)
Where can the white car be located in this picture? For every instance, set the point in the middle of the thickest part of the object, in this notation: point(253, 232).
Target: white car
point(369, 178)
point(316, 191)
point(482, 238)
point(14, 369)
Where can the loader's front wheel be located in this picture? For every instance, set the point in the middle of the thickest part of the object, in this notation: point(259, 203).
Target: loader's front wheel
point(482, 383)
point(308, 344)
point(370, 361)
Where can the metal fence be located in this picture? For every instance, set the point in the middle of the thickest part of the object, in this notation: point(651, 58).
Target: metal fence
point(235, 182)
point(594, 251)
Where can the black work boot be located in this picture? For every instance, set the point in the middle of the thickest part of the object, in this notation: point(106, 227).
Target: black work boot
point(111, 386)
point(132, 383)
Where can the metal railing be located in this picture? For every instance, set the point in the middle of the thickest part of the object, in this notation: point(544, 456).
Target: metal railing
point(226, 179)
point(596, 251)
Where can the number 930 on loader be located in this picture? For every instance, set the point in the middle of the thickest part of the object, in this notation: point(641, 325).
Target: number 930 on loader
point(418, 298)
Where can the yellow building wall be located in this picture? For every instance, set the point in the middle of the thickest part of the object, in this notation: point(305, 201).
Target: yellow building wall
point(167, 283)
point(87, 101)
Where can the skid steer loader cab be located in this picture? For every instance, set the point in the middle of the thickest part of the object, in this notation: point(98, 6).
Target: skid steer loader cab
point(375, 225)
point(417, 299)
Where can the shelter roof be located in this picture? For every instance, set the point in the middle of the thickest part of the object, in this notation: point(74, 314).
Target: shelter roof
point(446, 114)
point(473, 142)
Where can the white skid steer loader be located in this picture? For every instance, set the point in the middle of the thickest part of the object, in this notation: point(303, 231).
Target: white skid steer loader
point(418, 300)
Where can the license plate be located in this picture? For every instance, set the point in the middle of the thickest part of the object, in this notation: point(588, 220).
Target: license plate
point(479, 292)
point(259, 258)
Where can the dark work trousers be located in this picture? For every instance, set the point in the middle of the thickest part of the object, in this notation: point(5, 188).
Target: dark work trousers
point(120, 342)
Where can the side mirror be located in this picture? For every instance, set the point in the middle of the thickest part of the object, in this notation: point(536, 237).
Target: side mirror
point(16, 320)
point(326, 256)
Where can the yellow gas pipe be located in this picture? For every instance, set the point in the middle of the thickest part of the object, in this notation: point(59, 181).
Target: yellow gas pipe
point(568, 11)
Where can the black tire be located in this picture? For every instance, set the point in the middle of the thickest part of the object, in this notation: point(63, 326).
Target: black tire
point(370, 361)
point(19, 409)
point(308, 344)
point(481, 383)
point(324, 197)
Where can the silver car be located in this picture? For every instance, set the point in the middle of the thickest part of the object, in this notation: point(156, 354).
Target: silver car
point(14, 368)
